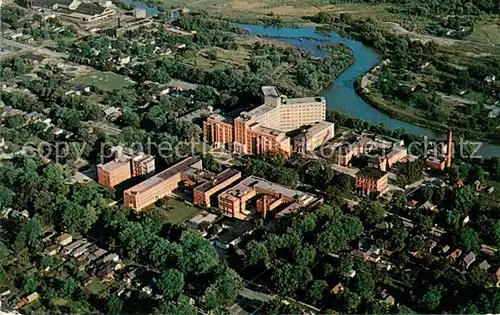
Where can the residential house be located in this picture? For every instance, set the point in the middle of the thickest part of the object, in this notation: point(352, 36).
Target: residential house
point(428, 206)
point(454, 255)
point(64, 239)
point(338, 288)
point(412, 204)
point(232, 233)
point(484, 265)
point(468, 260)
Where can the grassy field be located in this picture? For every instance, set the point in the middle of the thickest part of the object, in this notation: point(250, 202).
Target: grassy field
point(106, 81)
point(487, 32)
point(179, 211)
point(288, 10)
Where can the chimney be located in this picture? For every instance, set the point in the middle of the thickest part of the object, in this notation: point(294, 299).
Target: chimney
point(449, 149)
point(264, 207)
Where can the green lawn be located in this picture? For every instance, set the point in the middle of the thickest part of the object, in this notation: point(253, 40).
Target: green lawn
point(487, 32)
point(106, 81)
point(178, 211)
point(95, 286)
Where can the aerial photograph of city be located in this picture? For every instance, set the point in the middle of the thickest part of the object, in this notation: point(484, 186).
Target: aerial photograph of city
point(249, 157)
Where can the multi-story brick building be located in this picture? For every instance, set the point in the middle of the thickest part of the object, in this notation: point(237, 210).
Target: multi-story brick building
point(125, 164)
point(113, 173)
point(160, 185)
point(313, 137)
point(203, 192)
point(271, 196)
point(264, 128)
point(372, 181)
point(382, 152)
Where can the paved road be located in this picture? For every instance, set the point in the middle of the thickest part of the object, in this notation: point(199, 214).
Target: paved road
point(107, 129)
point(254, 295)
point(249, 302)
point(28, 48)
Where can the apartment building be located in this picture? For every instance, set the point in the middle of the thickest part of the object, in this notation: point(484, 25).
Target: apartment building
point(125, 164)
point(271, 197)
point(160, 185)
point(264, 128)
point(372, 181)
point(203, 192)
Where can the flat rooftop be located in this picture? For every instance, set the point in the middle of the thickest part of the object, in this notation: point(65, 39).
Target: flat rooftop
point(112, 165)
point(315, 129)
point(217, 179)
point(268, 131)
point(220, 117)
point(270, 91)
point(303, 100)
point(203, 216)
point(182, 166)
point(258, 111)
point(253, 182)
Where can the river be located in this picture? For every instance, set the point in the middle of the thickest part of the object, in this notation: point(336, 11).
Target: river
point(341, 95)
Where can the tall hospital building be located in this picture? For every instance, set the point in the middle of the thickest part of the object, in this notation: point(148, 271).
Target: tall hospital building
point(264, 128)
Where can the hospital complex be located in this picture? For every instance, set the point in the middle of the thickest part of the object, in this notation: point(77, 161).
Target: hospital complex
point(264, 129)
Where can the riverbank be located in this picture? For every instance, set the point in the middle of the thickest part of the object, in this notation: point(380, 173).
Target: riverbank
point(383, 106)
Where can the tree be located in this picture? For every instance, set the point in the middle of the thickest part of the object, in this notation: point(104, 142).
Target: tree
point(178, 308)
point(29, 283)
point(469, 239)
point(198, 255)
point(130, 118)
point(350, 302)
point(224, 290)
point(13, 121)
point(256, 253)
point(345, 266)
point(289, 279)
point(114, 305)
point(475, 173)
point(304, 255)
point(6, 196)
point(432, 298)
point(77, 218)
point(163, 253)
point(133, 239)
point(67, 288)
point(364, 283)
point(370, 212)
point(316, 291)
point(4, 253)
point(171, 283)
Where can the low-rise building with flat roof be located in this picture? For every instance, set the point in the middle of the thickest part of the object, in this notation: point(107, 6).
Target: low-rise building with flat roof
point(313, 136)
point(160, 185)
point(203, 216)
point(233, 201)
point(203, 192)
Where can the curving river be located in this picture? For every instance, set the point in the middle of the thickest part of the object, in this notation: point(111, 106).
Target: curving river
point(341, 95)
